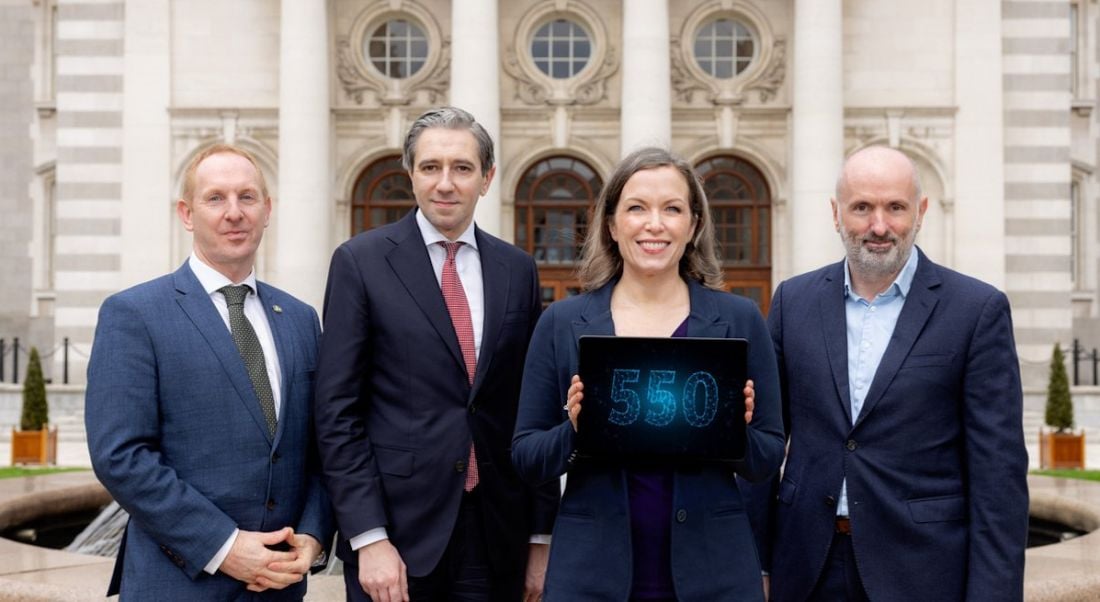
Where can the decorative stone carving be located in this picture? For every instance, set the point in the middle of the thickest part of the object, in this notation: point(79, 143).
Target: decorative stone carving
point(356, 82)
point(585, 89)
point(767, 85)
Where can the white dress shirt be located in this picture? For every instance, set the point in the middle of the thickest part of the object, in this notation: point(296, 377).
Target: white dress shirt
point(212, 280)
point(870, 325)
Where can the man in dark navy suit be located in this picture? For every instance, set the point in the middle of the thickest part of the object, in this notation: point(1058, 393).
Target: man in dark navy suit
point(906, 471)
point(427, 322)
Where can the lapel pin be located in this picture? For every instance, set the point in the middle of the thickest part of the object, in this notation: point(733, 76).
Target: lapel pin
point(277, 309)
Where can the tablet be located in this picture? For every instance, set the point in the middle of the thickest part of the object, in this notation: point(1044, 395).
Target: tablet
point(666, 399)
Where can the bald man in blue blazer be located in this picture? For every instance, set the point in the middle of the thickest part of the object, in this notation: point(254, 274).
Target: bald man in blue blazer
point(906, 470)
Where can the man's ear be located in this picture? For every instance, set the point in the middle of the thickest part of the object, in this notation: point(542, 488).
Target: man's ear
point(488, 180)
point(183, 209)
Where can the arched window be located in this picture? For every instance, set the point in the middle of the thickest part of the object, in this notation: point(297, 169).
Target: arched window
point(553, 201)
point(740, 204)
point(383, 194)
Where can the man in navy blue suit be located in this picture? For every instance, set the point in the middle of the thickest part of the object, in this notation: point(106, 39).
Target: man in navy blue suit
point(198, 410)
point(906, 471)
point(427, 322)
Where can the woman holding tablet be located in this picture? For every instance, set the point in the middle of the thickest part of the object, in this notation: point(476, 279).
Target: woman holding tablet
point(653, 531)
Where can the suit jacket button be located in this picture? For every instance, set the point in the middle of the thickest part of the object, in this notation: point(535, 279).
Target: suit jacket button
point(473, 409)
point(681, 515)
point(851, 445)
point(270, 504)
point(274, 457)
point(830, 501)
point(460, 466)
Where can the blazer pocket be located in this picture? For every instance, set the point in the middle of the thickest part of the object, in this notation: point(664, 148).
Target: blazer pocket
point(938, 509)
point(928, 360)
point(786, 491)
point(396, 462)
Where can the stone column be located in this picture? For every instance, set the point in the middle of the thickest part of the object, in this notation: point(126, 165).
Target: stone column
point(475, 87)
point(646, 117)
point(817, 132)
point(303, 211)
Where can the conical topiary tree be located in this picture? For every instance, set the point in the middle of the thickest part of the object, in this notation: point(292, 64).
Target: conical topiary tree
point(1059, 411)
point(36, 411)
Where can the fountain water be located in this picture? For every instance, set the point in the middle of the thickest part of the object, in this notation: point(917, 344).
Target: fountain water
point(103, 535)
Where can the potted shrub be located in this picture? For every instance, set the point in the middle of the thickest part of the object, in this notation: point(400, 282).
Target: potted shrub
point(34, 443)
point(1061, 448)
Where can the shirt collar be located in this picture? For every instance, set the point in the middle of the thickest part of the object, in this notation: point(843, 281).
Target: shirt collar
point(432, 236)
point(901, 284)
point(212, 280)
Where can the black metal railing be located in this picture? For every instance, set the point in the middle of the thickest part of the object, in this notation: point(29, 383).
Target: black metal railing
point(19, 356)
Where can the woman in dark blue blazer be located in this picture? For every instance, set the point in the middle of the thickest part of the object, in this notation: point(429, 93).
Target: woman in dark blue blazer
point(647, 532)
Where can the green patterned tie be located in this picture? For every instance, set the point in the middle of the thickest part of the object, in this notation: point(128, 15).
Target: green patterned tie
point(251, 352)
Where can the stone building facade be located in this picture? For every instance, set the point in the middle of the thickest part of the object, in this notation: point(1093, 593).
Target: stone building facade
point(103, 102)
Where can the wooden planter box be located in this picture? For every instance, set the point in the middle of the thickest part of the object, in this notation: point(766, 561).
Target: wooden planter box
point(1061, 450)
point(34, 447)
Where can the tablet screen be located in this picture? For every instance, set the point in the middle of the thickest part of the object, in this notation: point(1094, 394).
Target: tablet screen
point(662, 398)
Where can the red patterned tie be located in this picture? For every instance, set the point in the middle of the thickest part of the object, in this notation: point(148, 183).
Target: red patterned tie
point(455, 298)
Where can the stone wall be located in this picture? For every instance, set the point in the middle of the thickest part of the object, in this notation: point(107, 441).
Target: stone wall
point(16, 210)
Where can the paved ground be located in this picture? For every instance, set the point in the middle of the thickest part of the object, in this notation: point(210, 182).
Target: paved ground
point(29, 573)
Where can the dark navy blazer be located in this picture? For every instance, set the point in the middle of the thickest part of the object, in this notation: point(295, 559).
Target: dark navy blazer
point(396, 412)
point(935, 463)
point(713, 554)
point(177, 436)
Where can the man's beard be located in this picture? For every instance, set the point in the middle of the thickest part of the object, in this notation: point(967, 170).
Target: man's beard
point(877, 265)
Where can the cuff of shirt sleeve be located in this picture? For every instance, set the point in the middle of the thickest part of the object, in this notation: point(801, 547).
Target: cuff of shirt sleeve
point(216, 562)
point(366, 538)
point(543, 538)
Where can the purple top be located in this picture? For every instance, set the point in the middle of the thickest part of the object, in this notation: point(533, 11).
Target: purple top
point(649, 492)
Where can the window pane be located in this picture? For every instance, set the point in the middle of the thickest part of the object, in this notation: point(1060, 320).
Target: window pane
point(561, 49)
point(723, 48)
point(397, 48)
point(556, 193)
point(382, 194)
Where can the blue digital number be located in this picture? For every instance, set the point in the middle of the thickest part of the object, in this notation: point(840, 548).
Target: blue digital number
point(662, 404)
point(700, 416)
point(620, 394)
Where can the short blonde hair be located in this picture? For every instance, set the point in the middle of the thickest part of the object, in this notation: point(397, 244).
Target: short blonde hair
point(187, 189)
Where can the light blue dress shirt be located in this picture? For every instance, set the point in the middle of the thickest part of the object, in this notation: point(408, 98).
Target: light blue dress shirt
point(870, 326)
